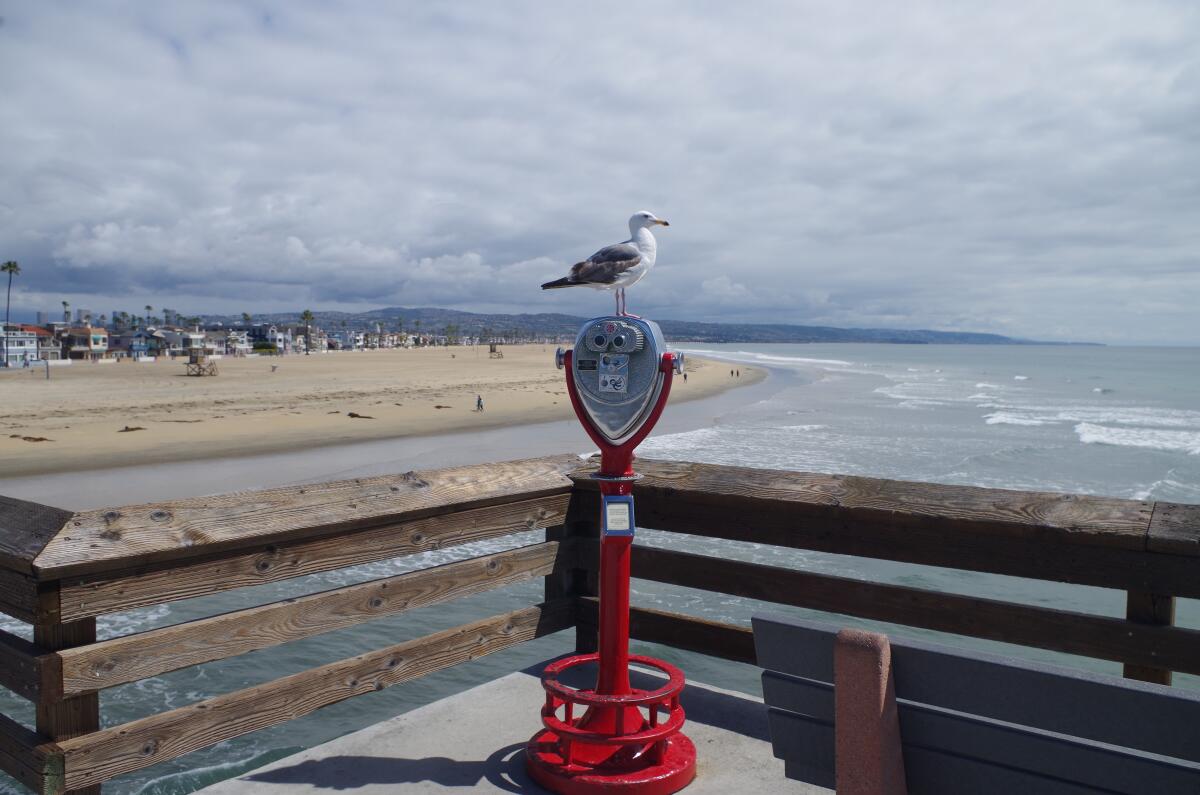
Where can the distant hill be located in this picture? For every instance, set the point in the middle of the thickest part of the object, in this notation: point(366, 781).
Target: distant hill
point(558, 326)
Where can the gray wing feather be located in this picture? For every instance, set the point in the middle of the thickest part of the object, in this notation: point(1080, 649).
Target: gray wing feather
point(606, 265)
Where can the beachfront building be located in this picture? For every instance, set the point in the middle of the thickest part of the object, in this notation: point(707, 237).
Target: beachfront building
point(347, 340)
point(136, 343)
point(237, 342)
point(281, 338)
point(86, 342)
point(49, 347)
point(20, 345)
point(181, 342)
point(216, 343)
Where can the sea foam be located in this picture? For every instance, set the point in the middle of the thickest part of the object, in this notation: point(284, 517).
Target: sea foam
point(1150, 438)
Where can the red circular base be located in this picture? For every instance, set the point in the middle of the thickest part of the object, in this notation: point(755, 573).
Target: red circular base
point(619, 774)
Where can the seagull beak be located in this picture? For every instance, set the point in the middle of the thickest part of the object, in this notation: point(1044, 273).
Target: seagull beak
point(661, 221)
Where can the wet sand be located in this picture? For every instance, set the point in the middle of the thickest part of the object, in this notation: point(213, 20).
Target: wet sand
point(96, 416)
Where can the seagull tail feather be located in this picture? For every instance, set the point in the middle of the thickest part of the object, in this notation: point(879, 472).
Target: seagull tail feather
point(557, 283)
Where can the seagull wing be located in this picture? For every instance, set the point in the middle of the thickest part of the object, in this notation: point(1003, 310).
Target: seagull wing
point(606, 265)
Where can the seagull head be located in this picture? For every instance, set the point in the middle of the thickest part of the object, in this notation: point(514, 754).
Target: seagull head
point(644, 219)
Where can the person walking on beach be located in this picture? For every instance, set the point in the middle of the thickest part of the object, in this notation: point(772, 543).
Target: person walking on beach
point(479, 402)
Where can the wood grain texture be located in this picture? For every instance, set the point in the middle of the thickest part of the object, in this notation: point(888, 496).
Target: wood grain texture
point(1175, 529)
point(19, 666)
point(1059, 630)
point(25, 530)
point(159, 583)
point(1046, 516)
point(144, 742)
point(1151, 610)
point(1091, 541)
point(23, 757)
point(133, 657)
point(62, 718)
point(714, 638)
point(18, 595)
point(110, 539)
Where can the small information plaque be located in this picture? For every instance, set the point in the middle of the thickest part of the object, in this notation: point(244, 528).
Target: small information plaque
point(616, 515)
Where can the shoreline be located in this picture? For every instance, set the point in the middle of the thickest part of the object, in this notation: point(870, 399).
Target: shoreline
point(304, 412)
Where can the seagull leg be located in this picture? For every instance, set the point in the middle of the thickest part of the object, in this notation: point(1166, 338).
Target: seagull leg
point(617, 297)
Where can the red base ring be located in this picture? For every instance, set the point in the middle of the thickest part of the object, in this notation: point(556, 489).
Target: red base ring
point(673, 773)
point(612, 747)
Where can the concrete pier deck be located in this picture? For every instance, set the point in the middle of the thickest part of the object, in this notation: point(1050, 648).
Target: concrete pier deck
point(475, 740)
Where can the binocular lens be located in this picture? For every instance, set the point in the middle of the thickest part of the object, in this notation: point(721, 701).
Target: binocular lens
point(600, 341)
point(619, 341)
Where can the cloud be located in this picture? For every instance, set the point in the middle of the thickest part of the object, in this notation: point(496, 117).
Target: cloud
point(1022, 168)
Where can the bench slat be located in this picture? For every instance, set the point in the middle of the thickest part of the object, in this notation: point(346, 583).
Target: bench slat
point(985, 755)
point(1105, 709)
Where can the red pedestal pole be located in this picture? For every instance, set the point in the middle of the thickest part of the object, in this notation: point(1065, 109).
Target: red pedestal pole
point(613, 746)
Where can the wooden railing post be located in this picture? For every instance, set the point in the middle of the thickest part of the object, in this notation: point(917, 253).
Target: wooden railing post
point(1154, 609)
point(576, 579)
point(60, 718)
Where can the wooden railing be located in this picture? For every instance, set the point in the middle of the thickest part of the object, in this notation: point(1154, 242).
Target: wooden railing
point(60, 570)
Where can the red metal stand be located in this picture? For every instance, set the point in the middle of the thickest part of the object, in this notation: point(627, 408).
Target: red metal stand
point(613, 747)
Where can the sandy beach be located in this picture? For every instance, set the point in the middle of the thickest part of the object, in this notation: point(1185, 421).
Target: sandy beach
point(92, 416)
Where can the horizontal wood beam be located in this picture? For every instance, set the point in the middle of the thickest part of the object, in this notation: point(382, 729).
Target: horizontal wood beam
point(116, 539)
point(714, 638)
point(86, 669)
point(26, 758)
point(1175, 528)
point(18, 595)
point(1060, 537)
point(1116, 639)
point(20, 666)
point(152, 585)
point(97, 757)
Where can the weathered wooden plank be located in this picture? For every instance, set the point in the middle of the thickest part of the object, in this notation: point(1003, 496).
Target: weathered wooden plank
point(714, 638)
point(144, 742)
point(1091, 541)
point(1152, 610)
point(63, 718)
point(24, 757)
point(1044, 516)
point(1059, 630)
point(119, 538)
point(150, 585)
point(26, 528)
point(18, 595)
point(1175, 528)
point(133, 657)
point(19, 668)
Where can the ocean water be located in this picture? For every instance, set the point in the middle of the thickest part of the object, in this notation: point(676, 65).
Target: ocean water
point(1122, 422)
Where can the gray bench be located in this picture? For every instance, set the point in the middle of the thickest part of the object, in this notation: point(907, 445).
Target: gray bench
point(979, 723)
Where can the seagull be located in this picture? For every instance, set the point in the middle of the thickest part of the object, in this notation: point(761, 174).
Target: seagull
point(617, 266)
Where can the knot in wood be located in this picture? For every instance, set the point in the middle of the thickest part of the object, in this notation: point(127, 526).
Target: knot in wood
point(393, 662)
point(150, 747)
point(262, 566)
point(112, 516)
point(377, 602)
point(418, 538)
point(492, 565)
point(160, 515)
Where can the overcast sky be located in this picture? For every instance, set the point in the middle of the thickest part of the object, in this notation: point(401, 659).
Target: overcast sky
point(1027, 168)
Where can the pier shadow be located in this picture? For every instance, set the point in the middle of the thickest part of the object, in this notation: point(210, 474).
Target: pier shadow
point(504, 769)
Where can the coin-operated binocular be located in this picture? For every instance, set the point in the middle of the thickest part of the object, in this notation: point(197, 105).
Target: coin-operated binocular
point(619, 377)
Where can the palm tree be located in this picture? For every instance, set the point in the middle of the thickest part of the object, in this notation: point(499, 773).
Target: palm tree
point(66, 311)
point(12, 269)
point(307, 317)
point(246, 318)
point(149, 317)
